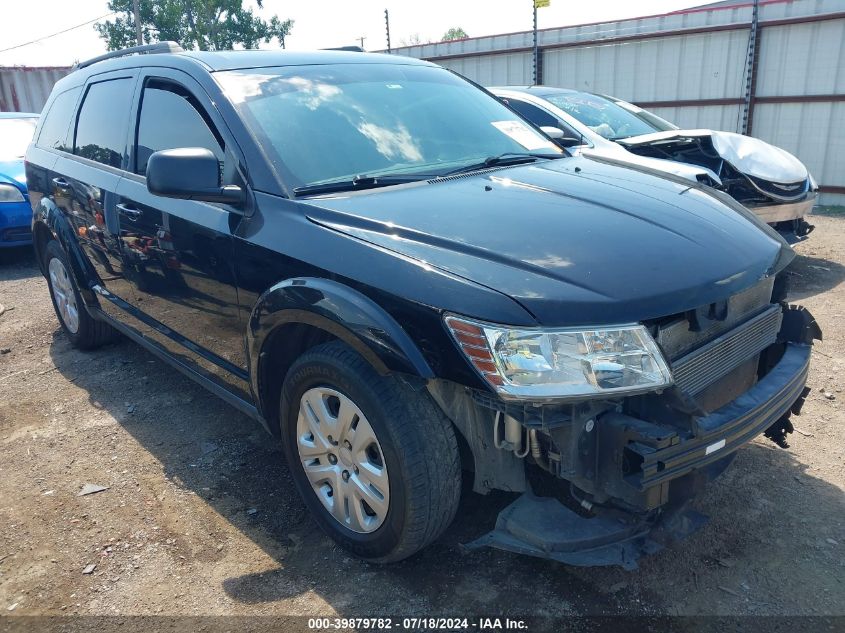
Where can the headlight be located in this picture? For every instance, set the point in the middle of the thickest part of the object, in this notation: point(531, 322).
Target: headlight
point(10, 193)
point(559, 364)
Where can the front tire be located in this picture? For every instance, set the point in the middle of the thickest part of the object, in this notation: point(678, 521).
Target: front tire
point(84, 331)
point(375, 462)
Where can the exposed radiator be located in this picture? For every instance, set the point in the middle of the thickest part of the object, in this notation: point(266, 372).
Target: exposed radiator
point(676, 339)
point(694, 371)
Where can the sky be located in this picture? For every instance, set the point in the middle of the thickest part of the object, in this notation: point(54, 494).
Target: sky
point(317, 23)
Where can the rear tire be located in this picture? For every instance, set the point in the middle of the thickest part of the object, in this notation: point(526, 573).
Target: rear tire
point(412, 446)
point(84, 331)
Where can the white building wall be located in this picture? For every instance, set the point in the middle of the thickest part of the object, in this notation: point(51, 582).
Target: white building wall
point(709, 117)
point(802, 59)
point(491, 70)
point(701, 66)
point(811, 131)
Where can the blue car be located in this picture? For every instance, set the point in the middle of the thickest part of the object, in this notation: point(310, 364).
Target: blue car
point(16, 129)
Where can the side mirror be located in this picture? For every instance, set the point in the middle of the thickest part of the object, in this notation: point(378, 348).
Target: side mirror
point(569, 141)
point(189, 173)
point(559, 137)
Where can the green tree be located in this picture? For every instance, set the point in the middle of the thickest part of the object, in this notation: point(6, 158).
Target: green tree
point(207, 25)
point(455, 33)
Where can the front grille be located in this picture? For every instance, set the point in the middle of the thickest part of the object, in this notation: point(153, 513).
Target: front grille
point(696, 370)
point(781, 191)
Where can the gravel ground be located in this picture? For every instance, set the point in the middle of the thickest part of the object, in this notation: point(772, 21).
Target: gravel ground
point(200, 515)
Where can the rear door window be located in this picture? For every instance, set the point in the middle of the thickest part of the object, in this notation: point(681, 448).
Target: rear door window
point(170, 117)
point(56, 125)
point(103, 122)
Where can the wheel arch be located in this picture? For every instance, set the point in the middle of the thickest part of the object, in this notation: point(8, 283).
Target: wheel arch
point(49, 223)
point(41, 235)
point(298, 314)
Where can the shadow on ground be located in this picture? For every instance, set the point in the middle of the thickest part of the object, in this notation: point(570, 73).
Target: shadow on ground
point(811, 274)
point(17, 263)
point(229, 462)
point(815, 275)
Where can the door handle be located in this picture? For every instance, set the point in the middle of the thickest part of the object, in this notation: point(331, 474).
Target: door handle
point(61, 183)
point(130, 212)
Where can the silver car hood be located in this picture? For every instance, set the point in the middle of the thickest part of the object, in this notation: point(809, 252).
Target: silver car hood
point(746, 154)
point(683, 170)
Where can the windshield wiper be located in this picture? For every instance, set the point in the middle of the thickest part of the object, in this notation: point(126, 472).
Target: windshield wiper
point(359, 183)
point(508, 158)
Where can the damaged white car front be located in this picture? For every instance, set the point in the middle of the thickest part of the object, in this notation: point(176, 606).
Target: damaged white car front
point(770, 181)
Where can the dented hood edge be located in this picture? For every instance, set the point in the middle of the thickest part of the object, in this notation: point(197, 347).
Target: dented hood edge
point(749, 155)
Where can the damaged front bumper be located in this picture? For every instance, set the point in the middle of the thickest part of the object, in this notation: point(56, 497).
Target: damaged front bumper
point(774, 213)
point(725, 430)
point(545, 528)
point(789, 219)
point(644, 460)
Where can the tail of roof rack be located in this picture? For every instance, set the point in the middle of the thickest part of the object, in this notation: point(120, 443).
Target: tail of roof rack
point(146, 49)
point(351, 49)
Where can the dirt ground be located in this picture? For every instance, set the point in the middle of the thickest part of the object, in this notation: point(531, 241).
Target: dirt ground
point(200, 515)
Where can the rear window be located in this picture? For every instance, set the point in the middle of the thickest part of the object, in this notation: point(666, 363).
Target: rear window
point(103, 120)
point(56, 124)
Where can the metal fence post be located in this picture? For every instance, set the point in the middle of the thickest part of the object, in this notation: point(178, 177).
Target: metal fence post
point(750, 70)
point(536, 49)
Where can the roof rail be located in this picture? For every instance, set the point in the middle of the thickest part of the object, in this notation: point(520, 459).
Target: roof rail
point(158, 47)
point(351, 49)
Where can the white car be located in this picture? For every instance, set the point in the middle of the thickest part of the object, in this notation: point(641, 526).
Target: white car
point(769, 181)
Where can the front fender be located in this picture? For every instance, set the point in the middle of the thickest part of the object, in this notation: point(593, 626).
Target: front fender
point(341, 311)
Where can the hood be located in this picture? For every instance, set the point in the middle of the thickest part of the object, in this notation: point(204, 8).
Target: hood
point(746, 154)
point(694, 173)
point(575, 240)
point(12, 171)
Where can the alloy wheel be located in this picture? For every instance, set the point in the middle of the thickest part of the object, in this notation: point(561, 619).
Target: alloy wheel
point(342, 459)
point(64, 295)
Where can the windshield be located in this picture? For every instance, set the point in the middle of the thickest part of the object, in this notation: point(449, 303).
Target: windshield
point(326, 123)
point(658, 123)
point(601, 115)
point(15, 136)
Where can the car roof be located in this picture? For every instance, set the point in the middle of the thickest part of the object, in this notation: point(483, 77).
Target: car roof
point(19, 115)
point(214, 61)
point(231, 60)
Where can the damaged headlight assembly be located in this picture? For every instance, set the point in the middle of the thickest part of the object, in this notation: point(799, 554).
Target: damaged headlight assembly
point(562, 363)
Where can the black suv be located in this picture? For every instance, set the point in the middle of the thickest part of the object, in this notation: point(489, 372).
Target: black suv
point(400, 278)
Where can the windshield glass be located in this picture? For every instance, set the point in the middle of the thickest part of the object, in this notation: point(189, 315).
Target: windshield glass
point(658, 123)
point(15, 136)
point(326, 123)
point(601, 115)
